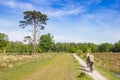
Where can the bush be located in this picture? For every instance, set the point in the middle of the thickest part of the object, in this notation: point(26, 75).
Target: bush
point(80, 52)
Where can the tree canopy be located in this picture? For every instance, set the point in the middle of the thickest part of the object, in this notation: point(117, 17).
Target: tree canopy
point(46, 43)
point(3, 40)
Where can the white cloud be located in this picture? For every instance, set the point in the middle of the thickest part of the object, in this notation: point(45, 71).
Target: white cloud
point(68, 8)
point(59, 13)
point(46, 6)
point(18, 5)
point(26, 6)
point(11, 4)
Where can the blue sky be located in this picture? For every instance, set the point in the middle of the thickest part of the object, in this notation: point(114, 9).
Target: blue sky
point(95, 21)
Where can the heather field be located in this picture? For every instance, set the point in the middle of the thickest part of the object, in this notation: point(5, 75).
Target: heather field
point(108, 64)
point(109, 61)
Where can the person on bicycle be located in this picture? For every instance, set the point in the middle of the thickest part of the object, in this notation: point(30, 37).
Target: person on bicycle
point(88, 60)
point(91, 63)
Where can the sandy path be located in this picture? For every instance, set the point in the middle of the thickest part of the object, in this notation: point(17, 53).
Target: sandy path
point(95, 75)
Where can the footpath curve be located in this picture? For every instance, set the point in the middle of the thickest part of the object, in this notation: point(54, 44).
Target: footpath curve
point(95, 74)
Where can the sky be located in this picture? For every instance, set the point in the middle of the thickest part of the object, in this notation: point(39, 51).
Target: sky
point(80, 21)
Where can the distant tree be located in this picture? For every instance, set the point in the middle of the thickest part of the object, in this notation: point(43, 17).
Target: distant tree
point(46, 42)
point(58, 47)
point(85, 48)
point(35, 19)
point(3, 41)
point(105, 47)
point(30, 43)
point(116, 47)
point(17, 48)
point(93, 47)
point(28, 39)
point(73, 48)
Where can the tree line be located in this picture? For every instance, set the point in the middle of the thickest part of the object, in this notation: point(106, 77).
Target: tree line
point(47, 44)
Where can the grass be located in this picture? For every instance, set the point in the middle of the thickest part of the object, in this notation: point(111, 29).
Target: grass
point(58, 67)
point(62, 67)
point(108, 74)
point(23, 69)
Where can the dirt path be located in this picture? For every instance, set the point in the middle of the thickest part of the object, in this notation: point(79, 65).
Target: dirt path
point(95, 75)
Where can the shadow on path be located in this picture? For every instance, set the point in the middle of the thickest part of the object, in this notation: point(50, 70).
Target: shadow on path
point(84, 68)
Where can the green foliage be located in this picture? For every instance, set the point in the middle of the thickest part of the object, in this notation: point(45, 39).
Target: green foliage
point(105, 47)
point(61, 47)
point(3, 40)
point(33, 17)
point(93, 48)
point(28, 39)
point(73, 48)
point(79, 52)
point(116, 47)
point(18, 48)
point(85, 48)
point(46, 43)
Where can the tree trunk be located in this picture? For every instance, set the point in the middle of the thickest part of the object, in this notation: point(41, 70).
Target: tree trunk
point(35, 36)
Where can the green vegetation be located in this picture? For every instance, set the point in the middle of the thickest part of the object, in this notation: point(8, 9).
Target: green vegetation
point(57, 67)
point(22, 66)
point(107, 73)
point(3, 42)
point(46, 43)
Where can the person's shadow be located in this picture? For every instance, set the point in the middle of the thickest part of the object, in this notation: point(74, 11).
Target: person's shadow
point(83, 68)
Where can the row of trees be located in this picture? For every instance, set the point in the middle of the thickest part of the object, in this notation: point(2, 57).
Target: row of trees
point(47, 44)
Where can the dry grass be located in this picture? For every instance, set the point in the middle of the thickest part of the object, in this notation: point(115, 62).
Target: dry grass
point(109, 61)
point(9, 61)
